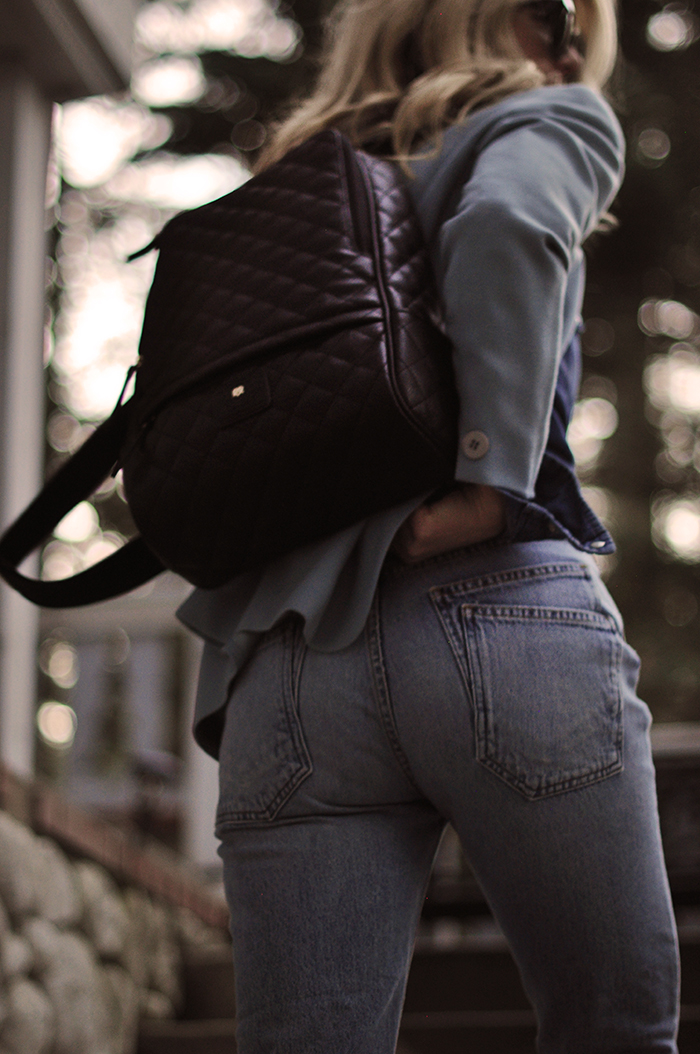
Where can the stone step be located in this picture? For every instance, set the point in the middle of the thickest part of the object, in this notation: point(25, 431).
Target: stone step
point(503, 1033)
point(464, 998)
point(487, 1032)
point(208, 985)
point(187, 1037)
point(477, 976)
point(480, 976)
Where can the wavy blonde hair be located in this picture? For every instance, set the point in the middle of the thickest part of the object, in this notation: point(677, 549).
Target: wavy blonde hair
point(395, 73)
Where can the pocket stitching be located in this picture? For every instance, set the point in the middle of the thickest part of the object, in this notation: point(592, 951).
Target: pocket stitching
point(517, 574)
point(597, 622)
point(301, 764)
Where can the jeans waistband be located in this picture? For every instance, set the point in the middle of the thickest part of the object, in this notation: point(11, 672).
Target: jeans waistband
point(485, 559)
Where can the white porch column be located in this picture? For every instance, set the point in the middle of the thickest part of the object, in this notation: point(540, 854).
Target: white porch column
point(25, 123)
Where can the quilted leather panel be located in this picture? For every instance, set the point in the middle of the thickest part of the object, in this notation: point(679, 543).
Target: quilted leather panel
point(267, 290)
point(423, 361)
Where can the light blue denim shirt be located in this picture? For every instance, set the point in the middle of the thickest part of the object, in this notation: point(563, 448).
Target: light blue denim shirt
point(505, 203)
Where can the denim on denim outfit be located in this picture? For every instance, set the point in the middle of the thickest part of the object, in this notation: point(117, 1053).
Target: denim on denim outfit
point(357, 704)
point(493, 689)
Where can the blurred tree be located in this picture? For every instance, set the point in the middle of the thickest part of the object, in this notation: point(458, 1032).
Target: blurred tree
point(643, 292)
point(242, 90)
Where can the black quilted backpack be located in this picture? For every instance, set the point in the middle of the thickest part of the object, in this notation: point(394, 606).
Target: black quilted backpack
point(291, 381)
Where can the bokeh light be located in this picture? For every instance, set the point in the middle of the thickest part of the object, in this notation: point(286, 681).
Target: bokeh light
point(652, 147)
point(248, 135)
point(58, 561)
point(57, 724)
point(172, 182)
point(61, 559)
point(672, 381)
point(65, 434)
point(671, 29)
point(593, 421)
point(675, 526)
point(169, 81)
point(667, 318)
point(80, 523)
point(97, 331)
point(248, 27)
point(99, 548)
point(672, 385)
point(96, 136)
point(59, 661)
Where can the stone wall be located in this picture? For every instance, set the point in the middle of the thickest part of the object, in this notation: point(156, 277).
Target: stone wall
point(94, 927)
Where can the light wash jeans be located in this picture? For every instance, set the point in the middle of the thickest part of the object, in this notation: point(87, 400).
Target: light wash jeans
point(493, 689)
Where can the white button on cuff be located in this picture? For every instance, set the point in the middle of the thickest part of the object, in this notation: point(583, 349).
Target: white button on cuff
point(475, 445)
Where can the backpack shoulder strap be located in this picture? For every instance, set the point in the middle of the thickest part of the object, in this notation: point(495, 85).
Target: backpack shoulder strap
point(124, 570)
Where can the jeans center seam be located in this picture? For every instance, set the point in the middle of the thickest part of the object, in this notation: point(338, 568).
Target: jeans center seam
point(381, 693)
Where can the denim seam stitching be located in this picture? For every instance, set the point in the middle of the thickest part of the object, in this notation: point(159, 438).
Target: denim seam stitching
point(381, 691)
point(290, 686)
point(522, 613)
point(597, 773)
point(615, 681)
point(518, 574)
point(451, 631)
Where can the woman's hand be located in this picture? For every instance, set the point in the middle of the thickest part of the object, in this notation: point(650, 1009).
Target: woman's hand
point(469, 514)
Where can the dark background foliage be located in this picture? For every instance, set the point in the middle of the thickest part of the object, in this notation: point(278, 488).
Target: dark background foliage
point(655, 252)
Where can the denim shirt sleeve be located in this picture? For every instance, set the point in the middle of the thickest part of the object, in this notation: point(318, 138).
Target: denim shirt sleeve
point(522, 185)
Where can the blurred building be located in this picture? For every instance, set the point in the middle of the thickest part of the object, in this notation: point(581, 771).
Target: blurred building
point(53, 50)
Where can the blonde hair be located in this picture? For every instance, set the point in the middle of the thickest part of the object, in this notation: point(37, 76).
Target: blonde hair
point(398, 72)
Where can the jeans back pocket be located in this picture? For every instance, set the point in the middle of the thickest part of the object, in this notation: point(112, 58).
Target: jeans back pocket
point(541, 653)
point(546, 688)
point(263, 756)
